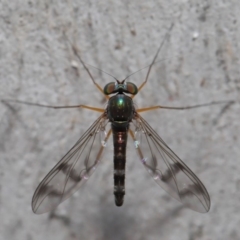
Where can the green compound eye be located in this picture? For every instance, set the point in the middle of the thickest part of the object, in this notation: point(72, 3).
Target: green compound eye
point(131, 88)
point(110, 88)
point(113, 87)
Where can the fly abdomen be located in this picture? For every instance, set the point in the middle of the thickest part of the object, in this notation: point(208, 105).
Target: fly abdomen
point(119, 178)
point(119, 143)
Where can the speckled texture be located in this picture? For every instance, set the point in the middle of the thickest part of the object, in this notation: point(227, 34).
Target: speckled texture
point(200, 63)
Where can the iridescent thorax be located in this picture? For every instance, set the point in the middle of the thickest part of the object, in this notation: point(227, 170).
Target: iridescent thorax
point(120, 106)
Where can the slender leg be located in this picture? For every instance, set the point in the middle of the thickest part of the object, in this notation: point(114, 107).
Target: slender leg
point(101, 110)
point(138, 148)
point(154, 59)
point(105, 140)
point(183, 108)
point(86, 68)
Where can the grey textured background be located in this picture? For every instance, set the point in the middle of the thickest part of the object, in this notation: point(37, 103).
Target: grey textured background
point(201, 65)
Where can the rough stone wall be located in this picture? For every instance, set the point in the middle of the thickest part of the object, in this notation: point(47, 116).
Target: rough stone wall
point(200, 63)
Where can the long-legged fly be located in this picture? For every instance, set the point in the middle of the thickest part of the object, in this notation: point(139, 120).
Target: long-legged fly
point(166, 168)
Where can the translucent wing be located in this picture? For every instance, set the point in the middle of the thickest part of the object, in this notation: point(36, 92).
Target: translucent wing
point(167, 169)
point(72, 170)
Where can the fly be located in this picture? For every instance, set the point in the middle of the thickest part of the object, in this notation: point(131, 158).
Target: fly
point(75, 168)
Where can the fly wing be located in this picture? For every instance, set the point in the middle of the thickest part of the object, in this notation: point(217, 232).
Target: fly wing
point(72, 170)
point(167, 169)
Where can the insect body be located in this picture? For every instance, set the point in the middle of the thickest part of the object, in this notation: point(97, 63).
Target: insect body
point(120, 111)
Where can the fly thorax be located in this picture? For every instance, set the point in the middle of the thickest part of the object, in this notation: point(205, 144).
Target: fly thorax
point(120, 108)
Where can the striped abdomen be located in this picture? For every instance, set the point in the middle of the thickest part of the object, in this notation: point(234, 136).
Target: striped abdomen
point(119, 158)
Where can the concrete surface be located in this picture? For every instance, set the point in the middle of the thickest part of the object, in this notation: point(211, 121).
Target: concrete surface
point(200, 64)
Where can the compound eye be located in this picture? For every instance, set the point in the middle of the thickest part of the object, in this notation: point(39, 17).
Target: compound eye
point(131, 88)
point(109, 88)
